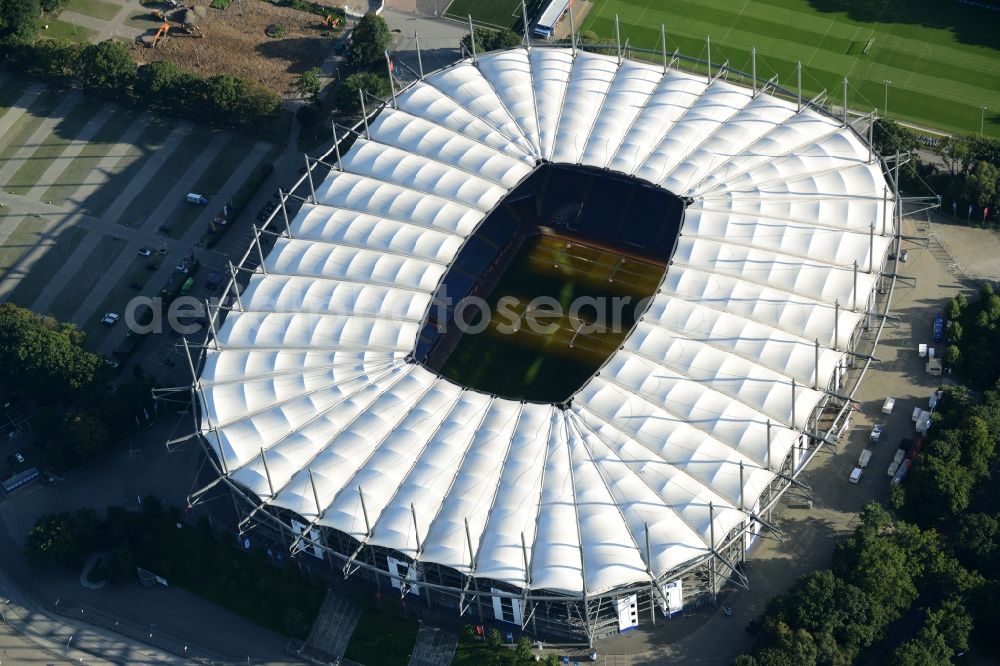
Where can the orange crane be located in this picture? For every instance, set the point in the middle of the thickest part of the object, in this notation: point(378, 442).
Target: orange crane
point(162, 32)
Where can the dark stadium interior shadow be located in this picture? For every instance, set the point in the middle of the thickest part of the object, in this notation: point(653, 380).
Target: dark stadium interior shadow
point(291, 51)
point(970, 24)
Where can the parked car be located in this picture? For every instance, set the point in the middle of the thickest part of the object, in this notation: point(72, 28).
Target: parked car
point(16, 458)
point(145, 252)
point(876, 433)
point(162, 252)
point(164, 229)
point(136, 285)
point(152, 266)
point(110, 318)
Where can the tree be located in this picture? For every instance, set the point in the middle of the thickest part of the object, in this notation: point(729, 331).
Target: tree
point(976, 539)
point(346, 95)
point(369, 40)
point(954, 624)
point(524, 648)
point(107, 67)
point(42, 356)
point(309, 84)
point(53, 59)
point(85, 434)
point(161, 83)
point(491, 40)
point(981, 184)
point(18, 18)
point(62, 538)
point(51, 541)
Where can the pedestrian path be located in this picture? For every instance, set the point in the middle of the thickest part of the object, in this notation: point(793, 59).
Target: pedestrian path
point(38, 137)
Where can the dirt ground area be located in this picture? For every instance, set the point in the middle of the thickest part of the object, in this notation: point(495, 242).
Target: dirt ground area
point(234, 43)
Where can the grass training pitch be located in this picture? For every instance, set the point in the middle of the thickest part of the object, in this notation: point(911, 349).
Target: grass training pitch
point(942, 60)
point(496, 13)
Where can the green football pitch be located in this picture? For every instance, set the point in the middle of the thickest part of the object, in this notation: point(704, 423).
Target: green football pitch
point(498, 13)
point(942, 59)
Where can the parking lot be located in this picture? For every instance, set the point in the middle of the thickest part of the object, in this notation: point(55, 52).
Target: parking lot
point(85, 185)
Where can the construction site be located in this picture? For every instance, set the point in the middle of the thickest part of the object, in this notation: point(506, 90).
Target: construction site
point(251, 39)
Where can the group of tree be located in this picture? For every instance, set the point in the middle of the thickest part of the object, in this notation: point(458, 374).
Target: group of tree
point(887, 572)
point(970, 176)
point(364, 72)
point(107, 69)
point(916, 588)
point(80, 414)
point(213, 566)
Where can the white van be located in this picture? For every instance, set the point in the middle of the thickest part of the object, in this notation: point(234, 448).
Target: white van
point(196, 199)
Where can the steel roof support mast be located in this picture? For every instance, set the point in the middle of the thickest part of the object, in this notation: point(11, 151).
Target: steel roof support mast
point(708, 45)
point(472, 43)
point(524, 20)
point(663, 44)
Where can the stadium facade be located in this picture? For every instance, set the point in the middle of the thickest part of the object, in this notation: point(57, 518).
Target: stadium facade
point(645, 490)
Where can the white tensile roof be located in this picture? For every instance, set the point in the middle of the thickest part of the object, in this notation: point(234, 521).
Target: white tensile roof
point(314, 370)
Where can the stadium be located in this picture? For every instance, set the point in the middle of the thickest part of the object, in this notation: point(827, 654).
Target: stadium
point(574, 483)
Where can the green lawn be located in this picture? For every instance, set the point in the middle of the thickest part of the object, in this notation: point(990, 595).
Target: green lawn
point(58, 249)
point(116, 300)
point(53, 145)
point(91, 155)
point(13, 140)
point(942, 60)
point(96, 8)
point(70, 31)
